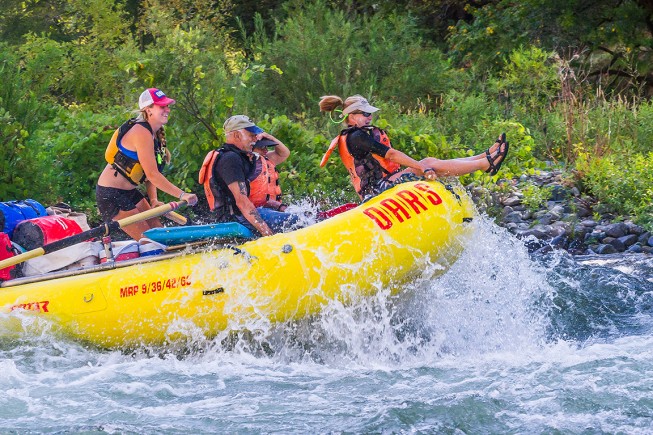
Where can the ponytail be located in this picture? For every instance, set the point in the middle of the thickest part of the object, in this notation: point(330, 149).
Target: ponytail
point(329, 103)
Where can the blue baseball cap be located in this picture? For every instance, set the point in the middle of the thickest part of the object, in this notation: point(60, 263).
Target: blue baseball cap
point(265, 143)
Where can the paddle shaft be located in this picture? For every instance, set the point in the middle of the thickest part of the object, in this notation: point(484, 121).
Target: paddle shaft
point(177, 218)
point(102, 230)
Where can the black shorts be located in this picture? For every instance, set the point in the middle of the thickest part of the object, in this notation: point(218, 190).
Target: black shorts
point(111, 200)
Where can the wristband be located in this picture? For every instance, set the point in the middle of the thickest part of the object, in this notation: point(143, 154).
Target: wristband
point(182, 195)
point(429, 169)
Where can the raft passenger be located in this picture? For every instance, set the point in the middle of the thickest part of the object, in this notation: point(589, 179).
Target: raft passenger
point(374, 165)
point(136, 155)
point(265, 190)
point(226, 174)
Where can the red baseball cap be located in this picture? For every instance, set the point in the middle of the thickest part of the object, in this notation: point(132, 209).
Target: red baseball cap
point(154, 96)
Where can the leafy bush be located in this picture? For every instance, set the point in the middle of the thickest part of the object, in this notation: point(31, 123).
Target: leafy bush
point(624, 183)
point(71, 154)
point(326, 51)
point(535, 196)
point(15, 166)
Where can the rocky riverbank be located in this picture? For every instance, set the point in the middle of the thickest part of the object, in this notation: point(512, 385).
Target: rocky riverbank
point(548, 211)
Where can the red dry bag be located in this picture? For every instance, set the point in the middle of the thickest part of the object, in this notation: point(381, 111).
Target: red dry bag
point(34, 233)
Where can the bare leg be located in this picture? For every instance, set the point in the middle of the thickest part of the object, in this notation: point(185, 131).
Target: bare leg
point(456, 167)
point(465, 165)
point(136, 230)
point(493, 149)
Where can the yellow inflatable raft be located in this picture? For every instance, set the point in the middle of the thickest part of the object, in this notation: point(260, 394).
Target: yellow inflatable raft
point(158, 300)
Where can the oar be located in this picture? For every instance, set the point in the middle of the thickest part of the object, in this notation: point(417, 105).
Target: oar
point(177, 218)
point(100, 231)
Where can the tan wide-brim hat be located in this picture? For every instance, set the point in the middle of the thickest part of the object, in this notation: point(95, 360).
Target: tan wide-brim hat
point(360, 104)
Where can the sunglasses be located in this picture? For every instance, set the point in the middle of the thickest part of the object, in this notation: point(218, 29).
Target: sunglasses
point(365, 114)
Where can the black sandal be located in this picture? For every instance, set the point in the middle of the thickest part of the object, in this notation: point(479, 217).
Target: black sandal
point(500, 154)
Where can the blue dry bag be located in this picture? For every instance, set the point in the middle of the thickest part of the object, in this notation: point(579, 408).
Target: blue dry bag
point(14, 212)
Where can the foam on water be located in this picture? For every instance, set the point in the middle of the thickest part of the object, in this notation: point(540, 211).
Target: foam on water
point(500, 343)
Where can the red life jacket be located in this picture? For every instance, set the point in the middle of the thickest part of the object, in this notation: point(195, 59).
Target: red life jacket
point(6, 251)
point(365, 171)
point(264, 183)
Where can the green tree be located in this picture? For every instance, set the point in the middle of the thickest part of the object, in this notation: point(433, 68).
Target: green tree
point(321, 51)
point(612, 37)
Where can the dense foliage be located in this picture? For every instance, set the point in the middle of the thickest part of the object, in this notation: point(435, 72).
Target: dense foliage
point(568, 81)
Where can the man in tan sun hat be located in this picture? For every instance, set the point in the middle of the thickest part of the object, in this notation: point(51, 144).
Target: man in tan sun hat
point(225, 175)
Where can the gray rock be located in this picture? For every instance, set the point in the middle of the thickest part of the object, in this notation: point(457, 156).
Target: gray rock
point(590, 223)
point(605, 249)
point(636, 248)
point(547, 219)
point(514, 217)
point(538, 214)
point(616, 230)
point(618, 244)
point(543, 228)
point(593, 249)
point(582, 211)
point(559, 242)
point(537, 233)
point(559, 193)
point(628, 240)
point(511, 201)
point(567, 209)
point(579, 232)
point(643, 238)
point(562, 227)
point(650, 241)
point(594, 236)
point(634, 229)
point(575, 191)
point(558, 210)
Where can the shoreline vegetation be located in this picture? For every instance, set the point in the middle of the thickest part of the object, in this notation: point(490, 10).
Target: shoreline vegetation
point(548, 211)
point(571, 89)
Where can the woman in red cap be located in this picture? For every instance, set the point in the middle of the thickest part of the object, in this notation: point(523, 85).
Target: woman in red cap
point(374, 165)
point(136, 155)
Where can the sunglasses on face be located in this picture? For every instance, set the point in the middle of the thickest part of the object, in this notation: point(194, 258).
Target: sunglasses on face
point(365, 114)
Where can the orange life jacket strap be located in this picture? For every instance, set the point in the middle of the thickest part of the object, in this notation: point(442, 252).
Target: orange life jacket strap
point(325, 157)
point(205, 175)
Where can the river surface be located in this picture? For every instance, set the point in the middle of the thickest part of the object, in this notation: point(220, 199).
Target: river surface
point(502, 343)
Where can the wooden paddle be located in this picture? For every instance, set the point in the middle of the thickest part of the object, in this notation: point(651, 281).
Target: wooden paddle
point(102, 230)
point(177, 218)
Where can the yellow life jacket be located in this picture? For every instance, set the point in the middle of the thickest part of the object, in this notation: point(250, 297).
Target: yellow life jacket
point(363, 172)
point(125, 161)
